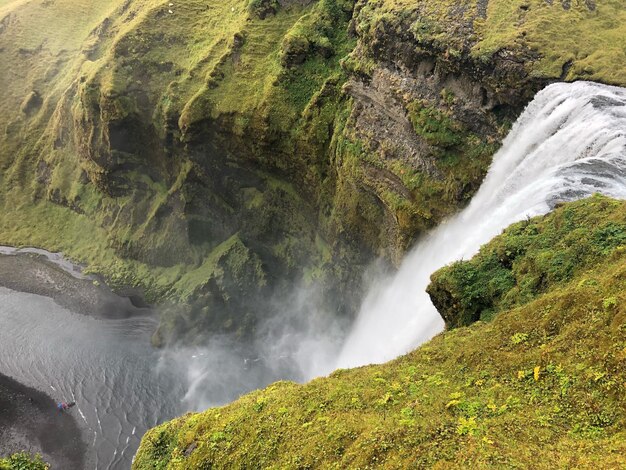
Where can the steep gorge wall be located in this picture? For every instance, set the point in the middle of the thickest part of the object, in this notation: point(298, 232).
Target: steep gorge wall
point(218, 152)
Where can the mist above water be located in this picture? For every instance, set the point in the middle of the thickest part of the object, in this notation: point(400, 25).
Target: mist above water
point(300, 341)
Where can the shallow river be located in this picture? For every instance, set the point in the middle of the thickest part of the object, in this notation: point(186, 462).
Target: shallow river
point(106, 366)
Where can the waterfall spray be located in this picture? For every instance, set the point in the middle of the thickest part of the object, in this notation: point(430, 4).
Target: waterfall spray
point(568, 144)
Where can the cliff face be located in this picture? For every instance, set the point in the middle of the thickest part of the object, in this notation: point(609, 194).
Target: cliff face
point(213, 152)
point(540, 385)
point(182, 148)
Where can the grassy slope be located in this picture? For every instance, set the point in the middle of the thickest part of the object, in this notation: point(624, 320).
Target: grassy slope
point(181, 60)
point(194, 41)
point(540, 386)
point(589, 37)
point(530, 258)
point(50, 69)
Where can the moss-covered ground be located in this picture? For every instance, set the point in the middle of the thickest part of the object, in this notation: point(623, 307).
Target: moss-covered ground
point(540, 385)
point(528, 259)
point(560, 39)
point(23, 461)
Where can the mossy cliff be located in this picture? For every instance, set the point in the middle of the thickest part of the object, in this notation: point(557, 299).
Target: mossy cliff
point(540, 385)
point(213, 152)
point(181, 149)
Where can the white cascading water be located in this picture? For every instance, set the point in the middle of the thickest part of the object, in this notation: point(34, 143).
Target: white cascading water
point(569, 143)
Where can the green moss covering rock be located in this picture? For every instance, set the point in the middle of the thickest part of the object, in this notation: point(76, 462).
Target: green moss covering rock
point(138, 138)
point(539, 386)
point(174, 131)
point(530, 258)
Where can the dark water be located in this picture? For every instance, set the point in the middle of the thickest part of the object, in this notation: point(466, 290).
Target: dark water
point(107, 366)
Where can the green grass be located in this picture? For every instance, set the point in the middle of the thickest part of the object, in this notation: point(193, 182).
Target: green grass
point(540, 386)
point(544, 34)
point(589, 40)
point(37, 52)
point(434, 126)
point(23, 461)
point(528, 259)
point(234, 253)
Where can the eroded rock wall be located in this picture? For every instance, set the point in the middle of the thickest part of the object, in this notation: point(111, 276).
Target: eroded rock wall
point(210, 152)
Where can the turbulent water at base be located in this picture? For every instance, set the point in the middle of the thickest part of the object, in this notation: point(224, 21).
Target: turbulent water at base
point(569, 143)
point(107, 366)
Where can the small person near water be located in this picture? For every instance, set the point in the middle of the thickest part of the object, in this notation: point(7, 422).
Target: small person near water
point(62, 406)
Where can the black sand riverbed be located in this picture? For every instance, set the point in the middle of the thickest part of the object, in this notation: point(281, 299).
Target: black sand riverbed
point(30, 421)
point(35, 274)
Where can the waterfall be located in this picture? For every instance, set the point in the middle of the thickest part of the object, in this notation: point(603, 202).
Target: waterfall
point(569, 143)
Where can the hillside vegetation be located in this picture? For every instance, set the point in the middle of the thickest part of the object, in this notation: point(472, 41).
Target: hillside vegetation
point(211, 152)
point(23, 461)
point(529, 259)
point(539, 385)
